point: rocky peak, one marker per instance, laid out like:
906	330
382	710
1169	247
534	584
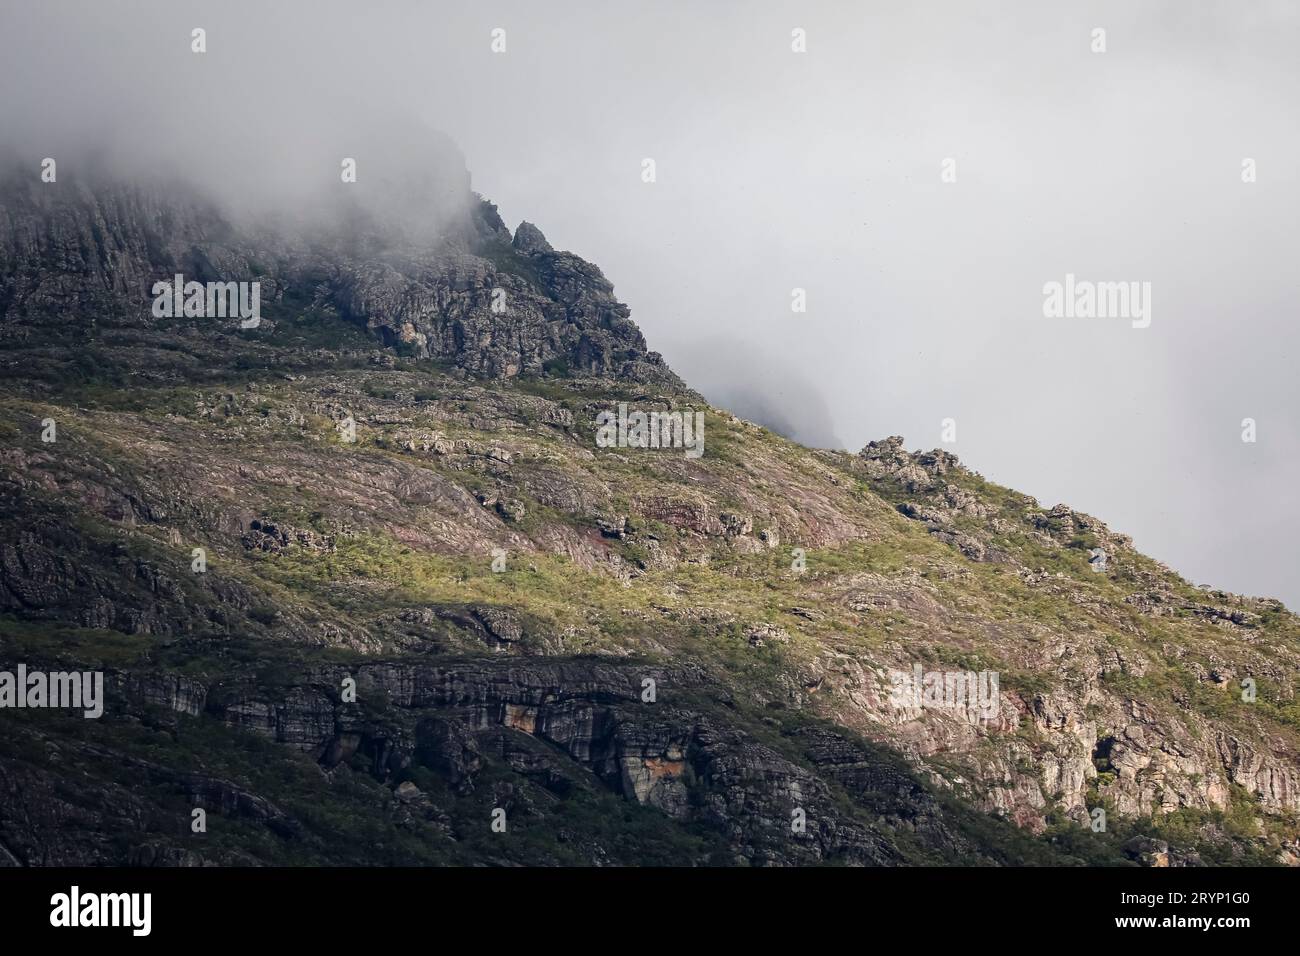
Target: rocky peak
887	449
890	453
529	240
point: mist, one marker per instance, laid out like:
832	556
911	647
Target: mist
818	171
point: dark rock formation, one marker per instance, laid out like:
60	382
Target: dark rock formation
361	578
83	257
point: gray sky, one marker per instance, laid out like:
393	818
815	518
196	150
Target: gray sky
821	171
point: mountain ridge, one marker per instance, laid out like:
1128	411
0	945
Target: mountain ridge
392	483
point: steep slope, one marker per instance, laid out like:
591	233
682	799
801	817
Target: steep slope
428	590
78	261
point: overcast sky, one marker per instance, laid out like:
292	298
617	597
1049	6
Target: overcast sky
821	170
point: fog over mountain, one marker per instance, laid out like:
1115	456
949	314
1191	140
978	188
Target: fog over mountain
444	435
924	297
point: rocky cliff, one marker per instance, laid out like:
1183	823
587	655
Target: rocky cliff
367	586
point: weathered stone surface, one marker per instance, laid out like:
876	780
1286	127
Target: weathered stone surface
396	484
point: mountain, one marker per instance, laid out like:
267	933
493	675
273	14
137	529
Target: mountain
381	579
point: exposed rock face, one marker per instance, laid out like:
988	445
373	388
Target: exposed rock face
87	256
499	308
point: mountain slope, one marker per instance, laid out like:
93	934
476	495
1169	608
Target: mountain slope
640	656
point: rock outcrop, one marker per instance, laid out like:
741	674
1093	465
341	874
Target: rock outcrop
83	257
